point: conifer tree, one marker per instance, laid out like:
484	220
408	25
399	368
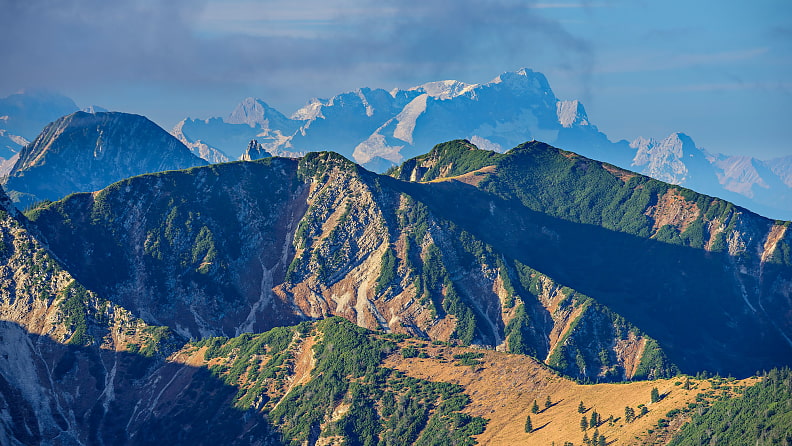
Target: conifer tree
583	423
548	403
581	408
629	414
528	424
655	396
594	419
601	441
535	407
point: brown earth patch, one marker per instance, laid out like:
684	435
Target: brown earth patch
672	209
777	232
623	175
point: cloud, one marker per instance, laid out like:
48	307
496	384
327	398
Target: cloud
275	44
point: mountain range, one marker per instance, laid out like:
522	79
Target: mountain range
591	270
379	129
148	296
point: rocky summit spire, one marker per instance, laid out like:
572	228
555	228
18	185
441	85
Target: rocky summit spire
254	151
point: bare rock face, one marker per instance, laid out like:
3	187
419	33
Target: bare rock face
254	151
85	152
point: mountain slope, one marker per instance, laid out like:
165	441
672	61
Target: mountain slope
85	152
324	237
615	235
536	251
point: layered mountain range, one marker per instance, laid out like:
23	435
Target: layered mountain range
148	297
599	273
537	251
380	129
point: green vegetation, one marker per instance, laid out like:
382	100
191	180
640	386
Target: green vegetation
435	288
409	352
517	332
315	165
655	395
629	414
761	416
654	363
383	406
74	308
469	358
387	271
157	341
458	157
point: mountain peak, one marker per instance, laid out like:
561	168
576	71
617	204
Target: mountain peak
84	152
445	89
524	79
664	159
571	113
255	113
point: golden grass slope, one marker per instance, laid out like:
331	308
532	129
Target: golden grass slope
504	386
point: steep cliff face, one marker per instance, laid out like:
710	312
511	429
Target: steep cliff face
85	152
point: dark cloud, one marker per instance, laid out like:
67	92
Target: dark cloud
62	44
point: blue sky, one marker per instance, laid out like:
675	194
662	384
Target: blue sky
719	71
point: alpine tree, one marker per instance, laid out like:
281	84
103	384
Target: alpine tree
535	407
528	424
629	414
583	423
581	408
655	396
594	419
548	403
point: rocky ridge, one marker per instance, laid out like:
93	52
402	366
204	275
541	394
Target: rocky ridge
461	253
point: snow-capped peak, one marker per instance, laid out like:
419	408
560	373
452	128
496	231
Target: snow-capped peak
311	110
445	89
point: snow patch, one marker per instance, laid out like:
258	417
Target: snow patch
445	89
408	117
